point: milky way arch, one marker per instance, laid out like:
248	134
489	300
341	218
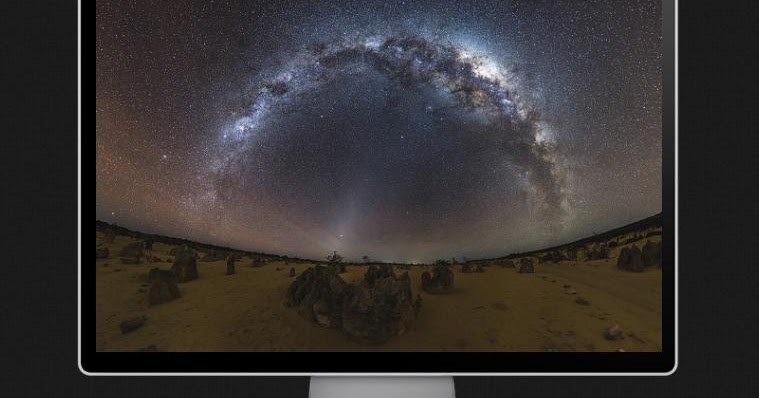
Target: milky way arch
477	83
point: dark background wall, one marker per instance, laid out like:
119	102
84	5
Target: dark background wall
718	171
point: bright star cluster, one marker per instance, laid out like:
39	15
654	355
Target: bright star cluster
405	131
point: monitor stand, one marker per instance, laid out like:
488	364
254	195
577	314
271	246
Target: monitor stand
381	387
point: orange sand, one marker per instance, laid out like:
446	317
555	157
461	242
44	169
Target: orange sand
498	310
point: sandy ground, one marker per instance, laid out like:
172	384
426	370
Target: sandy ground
498	310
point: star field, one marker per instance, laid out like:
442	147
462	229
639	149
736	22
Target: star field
405	131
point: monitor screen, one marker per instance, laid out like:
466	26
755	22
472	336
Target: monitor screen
382	186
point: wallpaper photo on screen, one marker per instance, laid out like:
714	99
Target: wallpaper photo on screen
379	176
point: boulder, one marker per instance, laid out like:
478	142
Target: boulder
571	253
630	259
162	290
320	285
292	272
379	307
598	252
231	264
159	274
185	267
440	281
374	273
258	261
110	236
339	267
505	263
373	314
132	250
651	254
553	257
102	252
526	266
214	255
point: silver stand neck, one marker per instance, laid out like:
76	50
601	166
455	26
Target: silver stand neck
381	387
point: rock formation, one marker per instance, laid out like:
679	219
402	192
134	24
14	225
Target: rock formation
379	307
231	264
132	252
185	267
630	259
162	290
110	236
440	281
651	254
526	266
214	255
599	252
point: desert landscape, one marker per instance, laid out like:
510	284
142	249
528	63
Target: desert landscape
598	294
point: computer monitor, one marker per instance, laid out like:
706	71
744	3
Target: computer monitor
383	187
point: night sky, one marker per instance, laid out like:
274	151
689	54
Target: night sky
401	130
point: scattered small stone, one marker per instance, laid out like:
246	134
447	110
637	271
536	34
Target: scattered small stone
132	324
614	333
582	301
621	350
